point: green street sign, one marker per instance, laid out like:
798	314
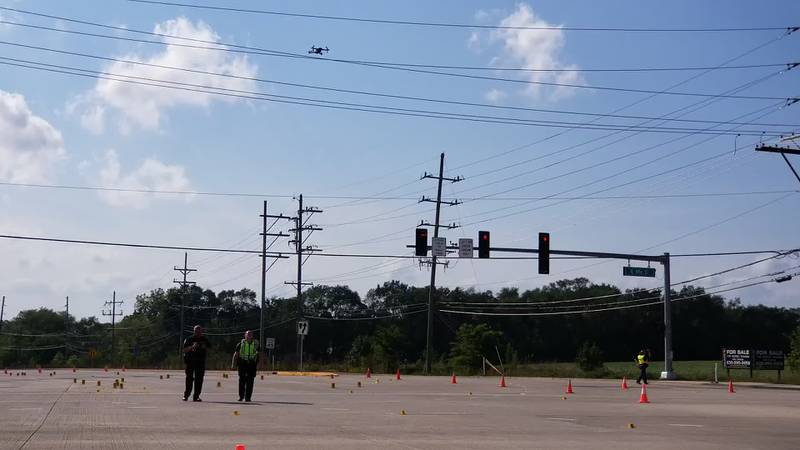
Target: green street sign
629	271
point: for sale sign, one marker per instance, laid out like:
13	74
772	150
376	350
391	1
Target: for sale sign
736	358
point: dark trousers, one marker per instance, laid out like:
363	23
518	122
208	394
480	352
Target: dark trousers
642	374
194	378
247	375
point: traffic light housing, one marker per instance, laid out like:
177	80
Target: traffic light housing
421	245
483	244
544	253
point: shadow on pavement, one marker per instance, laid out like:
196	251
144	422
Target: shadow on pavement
261	403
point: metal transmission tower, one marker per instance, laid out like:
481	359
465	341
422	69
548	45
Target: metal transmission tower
264	234
113	313
303	252
431	289
185	271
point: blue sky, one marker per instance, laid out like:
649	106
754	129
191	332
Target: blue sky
80	131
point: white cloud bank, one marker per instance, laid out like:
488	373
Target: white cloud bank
152	174
29	146
145	106
531	49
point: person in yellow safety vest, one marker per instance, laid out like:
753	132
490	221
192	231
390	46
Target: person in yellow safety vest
245	358
642	360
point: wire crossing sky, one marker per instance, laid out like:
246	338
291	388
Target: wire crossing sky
137	131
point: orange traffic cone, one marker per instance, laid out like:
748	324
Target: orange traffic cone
398	375
569	387
240	447
453	380
730	387
624	386
643	395
369	372
502	381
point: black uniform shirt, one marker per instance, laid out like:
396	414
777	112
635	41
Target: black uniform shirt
197	356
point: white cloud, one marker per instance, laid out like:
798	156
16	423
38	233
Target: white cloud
496	95
145	106
94	119
533	49
152	174
29	145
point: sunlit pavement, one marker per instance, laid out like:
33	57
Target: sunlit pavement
40	411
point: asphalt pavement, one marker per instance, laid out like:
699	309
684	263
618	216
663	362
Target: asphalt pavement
43	411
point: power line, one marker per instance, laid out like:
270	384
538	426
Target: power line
359	107
388	198
367	93
406	69
346	319
587	311
627	106
335	255
459	25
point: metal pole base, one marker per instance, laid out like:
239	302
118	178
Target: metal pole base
668	376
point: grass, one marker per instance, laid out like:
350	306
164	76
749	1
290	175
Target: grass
685	370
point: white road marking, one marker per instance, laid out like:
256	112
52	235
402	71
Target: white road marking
562	418
142	407
334	409
685	425
23	409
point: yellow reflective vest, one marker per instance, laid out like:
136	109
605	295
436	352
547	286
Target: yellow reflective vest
247	350
641	359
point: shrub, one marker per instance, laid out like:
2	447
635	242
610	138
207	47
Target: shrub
589	357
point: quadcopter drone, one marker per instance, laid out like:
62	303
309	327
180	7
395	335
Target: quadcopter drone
317	50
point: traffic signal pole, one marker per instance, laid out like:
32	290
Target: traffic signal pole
668	373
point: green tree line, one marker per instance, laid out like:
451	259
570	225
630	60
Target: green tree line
386	329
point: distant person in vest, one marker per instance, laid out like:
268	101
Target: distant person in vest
642	360
245	358
194	355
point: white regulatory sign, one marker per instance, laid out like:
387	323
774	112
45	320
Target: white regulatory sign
465	248
269	343
439	245
302	327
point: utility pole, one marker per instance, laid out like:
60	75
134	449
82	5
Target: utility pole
783	151
185	271
113	313
436	226
300	225
66	327
2	311
667	374
264	268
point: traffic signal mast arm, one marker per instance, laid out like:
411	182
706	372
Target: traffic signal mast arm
601	255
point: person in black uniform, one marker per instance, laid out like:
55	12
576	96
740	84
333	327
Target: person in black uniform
245	358
195	348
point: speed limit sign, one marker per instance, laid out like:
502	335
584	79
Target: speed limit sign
302	327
